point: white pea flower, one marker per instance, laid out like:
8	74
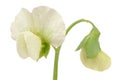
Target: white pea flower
35	32
101	62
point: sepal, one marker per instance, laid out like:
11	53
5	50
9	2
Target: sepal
91	44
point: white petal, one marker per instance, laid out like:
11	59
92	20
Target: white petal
33	44
28	45
23	22
99	63
21	46
49	25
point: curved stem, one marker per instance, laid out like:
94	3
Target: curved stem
55	72
78	21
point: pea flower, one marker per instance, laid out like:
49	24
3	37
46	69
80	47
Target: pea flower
91	54
35	31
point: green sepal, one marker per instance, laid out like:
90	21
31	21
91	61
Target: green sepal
83	42
91	44
45	50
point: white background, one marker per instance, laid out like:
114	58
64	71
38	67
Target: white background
105	14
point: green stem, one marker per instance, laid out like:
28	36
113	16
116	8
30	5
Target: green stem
78	21
55	72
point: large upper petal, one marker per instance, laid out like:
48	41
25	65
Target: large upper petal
29	45
49	25
23	22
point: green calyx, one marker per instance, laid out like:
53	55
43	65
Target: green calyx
45	47
45	50
91	44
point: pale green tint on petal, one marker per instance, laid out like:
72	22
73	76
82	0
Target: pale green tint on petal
101	62
21	46
33	44
49	25
23	22
28	45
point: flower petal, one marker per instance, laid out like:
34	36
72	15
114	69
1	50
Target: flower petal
23	21
49	25
101	62
29	45
21	46
33	44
